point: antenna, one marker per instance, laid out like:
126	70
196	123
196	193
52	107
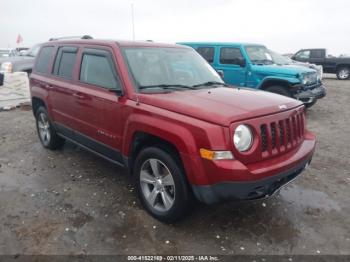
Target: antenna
132	21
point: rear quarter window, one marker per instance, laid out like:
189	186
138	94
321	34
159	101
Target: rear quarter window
44	58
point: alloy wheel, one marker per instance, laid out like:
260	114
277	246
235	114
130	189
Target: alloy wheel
157	185
44	128
344	73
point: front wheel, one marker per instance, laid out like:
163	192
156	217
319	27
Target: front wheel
281	90
343	73
161	185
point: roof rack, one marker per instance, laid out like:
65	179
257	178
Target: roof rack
71	37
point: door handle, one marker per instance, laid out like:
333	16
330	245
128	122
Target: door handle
79	96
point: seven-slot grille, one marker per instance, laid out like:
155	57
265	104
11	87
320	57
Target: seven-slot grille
281	135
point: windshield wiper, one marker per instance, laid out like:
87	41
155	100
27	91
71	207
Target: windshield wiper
210	83
166	86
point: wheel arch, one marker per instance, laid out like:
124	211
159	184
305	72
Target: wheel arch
36	103
143	130
342	66
141	140
274	82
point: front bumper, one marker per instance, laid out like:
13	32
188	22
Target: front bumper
210	194
309	96
233	180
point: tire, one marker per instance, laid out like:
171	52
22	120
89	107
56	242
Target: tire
161	185
281	90
1	79
343	73
46	132
28	72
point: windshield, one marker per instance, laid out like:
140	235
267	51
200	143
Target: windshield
280	59
170	67
262	55
32	51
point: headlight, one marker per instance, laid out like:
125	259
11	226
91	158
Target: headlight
310	78
243	138
6	67
304	80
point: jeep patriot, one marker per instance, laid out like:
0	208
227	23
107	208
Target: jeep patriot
164	113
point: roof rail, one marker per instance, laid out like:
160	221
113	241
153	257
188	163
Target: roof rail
71	37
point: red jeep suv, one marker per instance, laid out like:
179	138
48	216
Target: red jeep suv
165	114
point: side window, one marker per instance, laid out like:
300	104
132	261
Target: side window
304	54
230	55
97	68
317	54
65	61
207	53
43	61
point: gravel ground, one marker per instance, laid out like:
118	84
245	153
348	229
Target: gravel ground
72	202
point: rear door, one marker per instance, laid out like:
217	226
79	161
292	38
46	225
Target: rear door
230	62
318	57
98	107
62	89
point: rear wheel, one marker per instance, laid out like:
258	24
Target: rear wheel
281	90
343	73
47	134
28	72
161	185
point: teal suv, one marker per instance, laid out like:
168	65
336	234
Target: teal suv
255	66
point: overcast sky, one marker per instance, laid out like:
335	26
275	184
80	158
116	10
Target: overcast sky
282	25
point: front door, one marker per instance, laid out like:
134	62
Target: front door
232	64
98	107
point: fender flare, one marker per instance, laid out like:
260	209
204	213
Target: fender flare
288	81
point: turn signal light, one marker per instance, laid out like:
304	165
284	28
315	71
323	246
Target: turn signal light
215	155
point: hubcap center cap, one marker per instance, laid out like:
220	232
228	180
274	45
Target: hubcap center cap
159	184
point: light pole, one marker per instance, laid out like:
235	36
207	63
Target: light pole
132	21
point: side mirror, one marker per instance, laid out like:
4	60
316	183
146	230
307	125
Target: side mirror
117	91
241	62
221	73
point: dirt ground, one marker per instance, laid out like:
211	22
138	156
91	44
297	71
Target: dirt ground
72	202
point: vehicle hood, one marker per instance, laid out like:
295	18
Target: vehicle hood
222	105
288	70
14	59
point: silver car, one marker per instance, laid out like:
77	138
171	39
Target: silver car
19	63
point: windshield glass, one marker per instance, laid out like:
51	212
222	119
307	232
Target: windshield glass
169	67
262	55
280	59
33	51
